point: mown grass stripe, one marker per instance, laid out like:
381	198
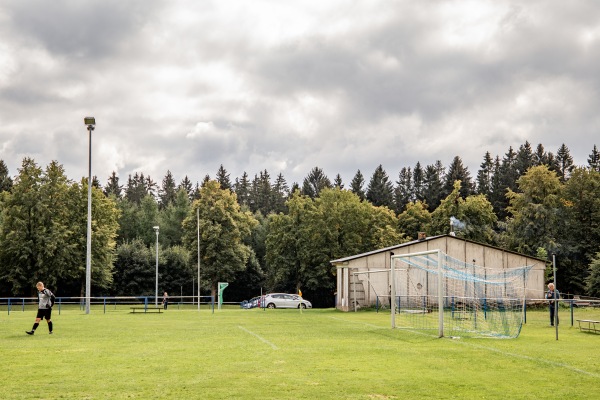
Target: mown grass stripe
498	351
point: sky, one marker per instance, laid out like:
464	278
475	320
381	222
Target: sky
286	86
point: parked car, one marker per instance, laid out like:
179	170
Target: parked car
284	300
252	303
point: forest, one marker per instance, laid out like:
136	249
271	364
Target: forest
261	233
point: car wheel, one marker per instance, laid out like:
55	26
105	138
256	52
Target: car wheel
270	305
302	305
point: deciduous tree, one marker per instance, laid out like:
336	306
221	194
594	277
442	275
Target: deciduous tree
535	212
223	229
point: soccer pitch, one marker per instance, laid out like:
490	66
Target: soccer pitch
286	354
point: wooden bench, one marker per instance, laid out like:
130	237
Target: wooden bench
146	309
589	325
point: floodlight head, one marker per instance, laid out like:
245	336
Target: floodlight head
89	121
156	228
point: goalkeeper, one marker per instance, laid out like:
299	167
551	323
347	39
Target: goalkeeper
45	303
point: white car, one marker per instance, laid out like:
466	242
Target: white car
284	300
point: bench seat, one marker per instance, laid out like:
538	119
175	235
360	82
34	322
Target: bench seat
146	309
589	325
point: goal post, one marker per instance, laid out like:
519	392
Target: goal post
432	290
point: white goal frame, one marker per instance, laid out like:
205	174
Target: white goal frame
451	271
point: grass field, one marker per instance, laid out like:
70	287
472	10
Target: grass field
285	354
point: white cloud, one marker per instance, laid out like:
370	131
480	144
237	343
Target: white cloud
187	86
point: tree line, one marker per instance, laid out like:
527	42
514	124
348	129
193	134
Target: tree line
259	233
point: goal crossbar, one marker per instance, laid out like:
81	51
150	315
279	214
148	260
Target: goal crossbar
479	300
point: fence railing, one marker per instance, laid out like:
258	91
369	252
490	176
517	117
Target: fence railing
13	304
573	303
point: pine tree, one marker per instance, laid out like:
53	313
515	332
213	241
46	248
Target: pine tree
524	159
5	179
484	175
507	180
280	194
564	162
594	160
167	192
497	194
113	187
418	181
380	191
187	185
151	187
136	188
540	157
261	193
315	182
357	184
432	184
223	178
242	189
337	182
458	172
96	183
403	193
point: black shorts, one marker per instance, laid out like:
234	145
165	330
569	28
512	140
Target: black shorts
44	313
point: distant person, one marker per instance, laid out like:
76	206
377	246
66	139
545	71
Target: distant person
551	295
45	303
165	301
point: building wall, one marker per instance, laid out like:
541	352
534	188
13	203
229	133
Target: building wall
352	291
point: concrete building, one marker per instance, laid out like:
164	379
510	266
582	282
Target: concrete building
352	290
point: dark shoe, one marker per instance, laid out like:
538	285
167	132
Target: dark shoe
30	332
50	332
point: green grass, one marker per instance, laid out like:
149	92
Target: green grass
285	354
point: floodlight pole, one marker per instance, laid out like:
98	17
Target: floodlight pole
156	228
91	123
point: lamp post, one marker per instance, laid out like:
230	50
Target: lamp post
156	228
90	122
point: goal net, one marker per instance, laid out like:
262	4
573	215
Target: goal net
435	291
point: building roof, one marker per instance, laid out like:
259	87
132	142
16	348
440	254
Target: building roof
398	246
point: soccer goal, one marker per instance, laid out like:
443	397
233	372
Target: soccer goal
435	291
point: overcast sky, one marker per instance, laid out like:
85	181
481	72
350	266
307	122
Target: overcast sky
287	86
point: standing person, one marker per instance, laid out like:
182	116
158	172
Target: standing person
45	303
165	300
551	295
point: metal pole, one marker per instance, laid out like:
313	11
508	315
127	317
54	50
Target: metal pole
555	297
393	292
88	258
440	295
156	289
354	290
198	232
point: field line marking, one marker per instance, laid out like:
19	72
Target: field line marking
549	362
259	337
504	353
359	322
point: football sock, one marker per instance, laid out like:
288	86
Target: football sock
50	326
35	326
